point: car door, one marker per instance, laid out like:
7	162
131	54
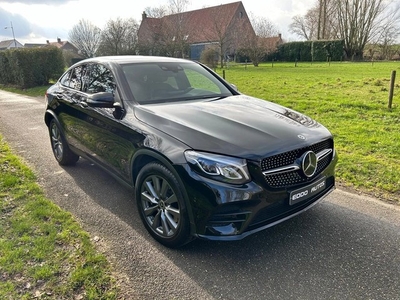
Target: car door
69	111
104	137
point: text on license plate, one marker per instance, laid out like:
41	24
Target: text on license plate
307	192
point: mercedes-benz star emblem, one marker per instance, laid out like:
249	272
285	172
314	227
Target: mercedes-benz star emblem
302	137
309	163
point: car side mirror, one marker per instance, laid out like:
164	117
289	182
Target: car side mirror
103	99
234	87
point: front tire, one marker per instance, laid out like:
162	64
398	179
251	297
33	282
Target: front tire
61	151
162	206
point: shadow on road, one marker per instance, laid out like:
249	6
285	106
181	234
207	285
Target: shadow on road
327	252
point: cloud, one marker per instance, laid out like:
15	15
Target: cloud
25	31
20	25
48	2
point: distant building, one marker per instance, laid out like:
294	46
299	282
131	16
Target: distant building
63	45
30	45
223	27
71	53
10	44
272	43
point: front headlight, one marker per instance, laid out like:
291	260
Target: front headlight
219	167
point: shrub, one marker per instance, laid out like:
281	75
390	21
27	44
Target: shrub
27	68
209	56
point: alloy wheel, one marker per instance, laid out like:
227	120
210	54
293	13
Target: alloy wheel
160	206
56	142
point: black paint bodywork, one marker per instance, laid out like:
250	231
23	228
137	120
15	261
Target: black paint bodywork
237	125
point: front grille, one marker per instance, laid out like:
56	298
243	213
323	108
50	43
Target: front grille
287	179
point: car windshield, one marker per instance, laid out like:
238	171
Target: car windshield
172	81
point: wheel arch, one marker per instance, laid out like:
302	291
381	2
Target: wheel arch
143	157
50	115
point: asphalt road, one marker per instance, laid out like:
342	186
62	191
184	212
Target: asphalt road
346	247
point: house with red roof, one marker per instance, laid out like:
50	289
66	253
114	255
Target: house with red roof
225	27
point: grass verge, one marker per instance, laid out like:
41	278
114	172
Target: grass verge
33	92
44	253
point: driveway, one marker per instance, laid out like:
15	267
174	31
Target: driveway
347	247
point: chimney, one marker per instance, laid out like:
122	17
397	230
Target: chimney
58	40
47	41
280	36
144	16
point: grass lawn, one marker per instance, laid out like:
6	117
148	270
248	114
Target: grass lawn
351	100
44	253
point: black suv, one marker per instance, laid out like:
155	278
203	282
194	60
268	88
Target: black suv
205	160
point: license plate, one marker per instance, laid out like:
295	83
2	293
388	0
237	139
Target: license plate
307	192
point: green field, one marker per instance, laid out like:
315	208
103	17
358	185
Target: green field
351	100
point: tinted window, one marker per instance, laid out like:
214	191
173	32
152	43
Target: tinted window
100	79
172	81
65	79
74	78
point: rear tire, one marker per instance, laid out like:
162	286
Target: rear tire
162	206
61	150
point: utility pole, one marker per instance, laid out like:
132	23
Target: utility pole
12	29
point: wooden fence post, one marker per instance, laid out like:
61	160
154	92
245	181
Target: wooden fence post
392	80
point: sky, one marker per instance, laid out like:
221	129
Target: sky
35	21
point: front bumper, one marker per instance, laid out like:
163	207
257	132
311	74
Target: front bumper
227	212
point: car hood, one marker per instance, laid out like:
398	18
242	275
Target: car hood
239	126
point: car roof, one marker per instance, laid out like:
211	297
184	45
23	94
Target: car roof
128	59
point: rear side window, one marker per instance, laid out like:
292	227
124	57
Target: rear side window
99	79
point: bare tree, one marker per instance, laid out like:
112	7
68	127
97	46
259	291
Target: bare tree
263	42
168	33
220	34
360	21
319	23
156	12
86	38
174	29
304	27
119	37
228	36
357	22
388	32
177	6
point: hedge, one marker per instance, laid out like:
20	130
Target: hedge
30	67
309	51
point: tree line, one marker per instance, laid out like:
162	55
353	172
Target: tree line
357	22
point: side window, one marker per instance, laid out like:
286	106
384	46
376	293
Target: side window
100	79
76	77
65	79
